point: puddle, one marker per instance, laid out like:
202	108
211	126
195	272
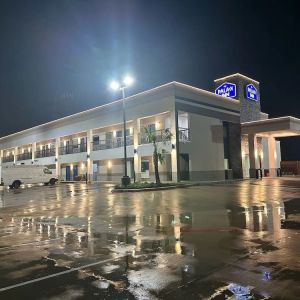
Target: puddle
198	243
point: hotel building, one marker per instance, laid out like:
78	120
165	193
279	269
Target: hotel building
216	136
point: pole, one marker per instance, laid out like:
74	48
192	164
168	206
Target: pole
125	179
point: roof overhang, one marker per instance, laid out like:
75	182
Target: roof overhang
275	127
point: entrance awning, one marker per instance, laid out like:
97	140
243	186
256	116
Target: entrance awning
276	127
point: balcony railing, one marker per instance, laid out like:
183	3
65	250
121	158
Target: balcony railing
7	159
44	153
160	135
111	143
72	149
24	156
183	134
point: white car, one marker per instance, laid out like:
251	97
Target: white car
14	176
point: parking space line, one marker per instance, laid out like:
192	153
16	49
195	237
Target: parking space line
58	274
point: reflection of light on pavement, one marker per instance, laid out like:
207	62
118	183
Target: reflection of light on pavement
138	243
177	234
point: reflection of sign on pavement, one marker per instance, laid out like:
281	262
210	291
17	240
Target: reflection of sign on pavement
226	90
251	92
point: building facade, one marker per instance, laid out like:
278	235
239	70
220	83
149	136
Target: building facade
215	136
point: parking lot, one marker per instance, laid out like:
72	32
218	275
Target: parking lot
78	241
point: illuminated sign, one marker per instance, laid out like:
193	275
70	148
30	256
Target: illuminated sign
251	92
226	90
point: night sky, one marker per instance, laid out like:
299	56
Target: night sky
57	57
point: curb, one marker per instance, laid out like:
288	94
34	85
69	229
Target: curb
183	185
171	187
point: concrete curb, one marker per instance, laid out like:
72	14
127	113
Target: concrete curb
183	185
171	187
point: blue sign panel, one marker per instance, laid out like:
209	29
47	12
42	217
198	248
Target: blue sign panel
226	90
251	92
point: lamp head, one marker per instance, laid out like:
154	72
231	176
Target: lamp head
128	80
114	85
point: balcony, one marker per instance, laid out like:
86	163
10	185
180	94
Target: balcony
112	143
72	149
7	159
24	156
184	134
160	136
44	153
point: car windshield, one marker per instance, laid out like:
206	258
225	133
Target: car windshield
47	171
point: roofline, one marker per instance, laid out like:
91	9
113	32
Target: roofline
87	111
176	83
219	97
236	74
272	120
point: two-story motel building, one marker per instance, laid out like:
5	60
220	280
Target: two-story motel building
214	137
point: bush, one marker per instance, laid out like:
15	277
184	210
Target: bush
143	185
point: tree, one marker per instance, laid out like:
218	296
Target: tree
158	153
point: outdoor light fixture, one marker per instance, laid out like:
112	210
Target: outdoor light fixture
115	85
135	151
128	80
88	156
173	146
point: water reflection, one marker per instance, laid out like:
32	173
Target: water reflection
172	233
157	241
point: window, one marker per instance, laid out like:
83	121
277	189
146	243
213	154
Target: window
47	171
151	127
145	166
96	139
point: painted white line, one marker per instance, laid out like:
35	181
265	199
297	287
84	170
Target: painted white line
58	274
28	244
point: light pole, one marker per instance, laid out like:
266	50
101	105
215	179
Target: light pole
127	81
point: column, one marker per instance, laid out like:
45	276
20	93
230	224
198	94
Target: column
15	155
33	149
252	142
272	156
137	156
1	155
89	141
175	143
57	163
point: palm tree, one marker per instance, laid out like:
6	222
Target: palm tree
158	153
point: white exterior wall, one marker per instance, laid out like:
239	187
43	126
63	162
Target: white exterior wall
141	107
206	149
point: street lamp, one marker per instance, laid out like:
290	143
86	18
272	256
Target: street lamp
115	85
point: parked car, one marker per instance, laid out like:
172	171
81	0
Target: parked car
15	176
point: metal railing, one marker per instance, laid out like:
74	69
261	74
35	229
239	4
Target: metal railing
183	134
44	153
112	143
160	134
72	149
7	159
24	156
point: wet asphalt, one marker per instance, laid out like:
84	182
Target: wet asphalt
77	241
